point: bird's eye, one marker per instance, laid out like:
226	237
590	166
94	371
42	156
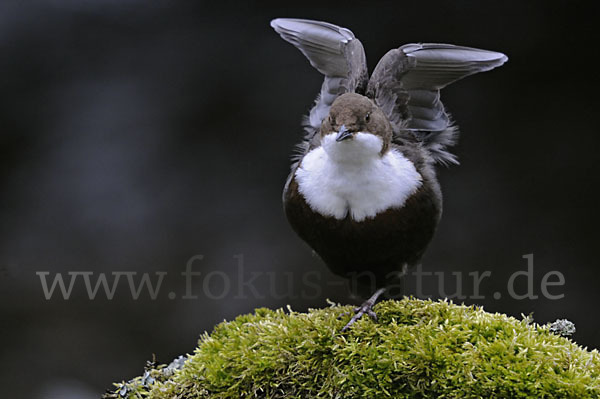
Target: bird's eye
368	117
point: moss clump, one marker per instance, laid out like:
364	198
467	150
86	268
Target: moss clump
417	349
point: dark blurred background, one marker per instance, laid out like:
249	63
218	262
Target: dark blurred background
135	135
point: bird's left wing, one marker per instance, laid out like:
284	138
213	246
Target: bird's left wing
332	50
406	84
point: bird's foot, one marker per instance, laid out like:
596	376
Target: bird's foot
365	308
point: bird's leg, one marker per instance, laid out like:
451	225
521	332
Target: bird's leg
366	307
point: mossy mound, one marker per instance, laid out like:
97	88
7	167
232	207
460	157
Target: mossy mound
417	349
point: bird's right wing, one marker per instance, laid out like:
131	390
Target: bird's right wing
406	84
332	50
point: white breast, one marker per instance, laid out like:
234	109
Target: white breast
351	176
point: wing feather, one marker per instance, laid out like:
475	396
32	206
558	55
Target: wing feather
332	50
406	84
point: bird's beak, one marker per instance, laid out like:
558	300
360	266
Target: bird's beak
343	134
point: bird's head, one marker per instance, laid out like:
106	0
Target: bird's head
356	129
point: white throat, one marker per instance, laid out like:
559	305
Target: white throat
352	177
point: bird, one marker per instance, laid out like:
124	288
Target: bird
362	191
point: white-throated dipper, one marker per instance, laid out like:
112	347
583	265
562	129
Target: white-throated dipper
363	192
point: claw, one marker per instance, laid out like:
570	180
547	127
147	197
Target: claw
372	314
367	308
355	310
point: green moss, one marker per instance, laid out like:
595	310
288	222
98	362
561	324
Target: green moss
417	349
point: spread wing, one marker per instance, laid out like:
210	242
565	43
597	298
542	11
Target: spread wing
406	84
332	50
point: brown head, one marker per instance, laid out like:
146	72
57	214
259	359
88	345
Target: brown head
352	113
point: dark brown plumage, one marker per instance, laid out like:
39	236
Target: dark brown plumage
381	245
